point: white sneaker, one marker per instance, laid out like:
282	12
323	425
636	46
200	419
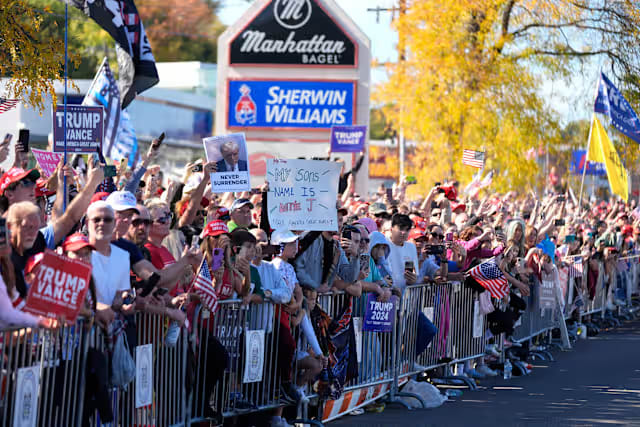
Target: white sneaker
485	370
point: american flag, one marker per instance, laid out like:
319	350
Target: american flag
203	286
473	158
7	104
491	278
104	92
575	267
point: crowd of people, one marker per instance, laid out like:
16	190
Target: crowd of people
145	237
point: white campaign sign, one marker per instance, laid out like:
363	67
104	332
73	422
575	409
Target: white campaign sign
478	320
144	375
253	356
25	409
302	194
357	329
232	162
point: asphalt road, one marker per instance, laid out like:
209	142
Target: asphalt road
595	384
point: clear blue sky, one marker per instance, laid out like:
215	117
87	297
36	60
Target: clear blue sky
572	101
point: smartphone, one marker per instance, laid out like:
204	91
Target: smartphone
408	266
437	184
23	140
526	216
7	138
346	234
364	260
4	236
197	168
389	192
449	237
110	171
558	222
156	142
434	205
216	260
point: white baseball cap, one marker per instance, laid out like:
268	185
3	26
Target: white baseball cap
282	236
122	201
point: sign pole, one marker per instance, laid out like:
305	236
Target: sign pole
64	122
584	168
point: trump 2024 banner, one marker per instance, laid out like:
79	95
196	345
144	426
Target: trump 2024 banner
281	104
302	194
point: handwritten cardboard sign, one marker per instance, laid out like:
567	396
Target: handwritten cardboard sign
302	194
59	288
379	316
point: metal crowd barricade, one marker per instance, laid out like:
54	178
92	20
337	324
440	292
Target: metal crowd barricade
231	396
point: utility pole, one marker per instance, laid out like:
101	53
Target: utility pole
401	9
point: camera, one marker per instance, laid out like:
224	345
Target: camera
434	249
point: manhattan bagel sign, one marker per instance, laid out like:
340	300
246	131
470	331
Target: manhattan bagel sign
293	32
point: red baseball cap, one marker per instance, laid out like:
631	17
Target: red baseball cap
223	213
419	222
417	233
33	262
75	242
17	174
458	206
101	195
41	188
215	228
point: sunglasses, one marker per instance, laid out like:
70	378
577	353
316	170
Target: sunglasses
164	219
141	221
104	219
439	236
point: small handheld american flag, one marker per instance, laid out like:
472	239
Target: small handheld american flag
473	158
7	104
489	276
575	268
203	286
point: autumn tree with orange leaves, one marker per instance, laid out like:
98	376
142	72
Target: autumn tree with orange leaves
472	73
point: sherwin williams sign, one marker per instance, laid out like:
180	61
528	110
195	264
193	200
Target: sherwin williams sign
290	104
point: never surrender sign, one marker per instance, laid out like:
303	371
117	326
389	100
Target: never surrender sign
379	316
84	128
348	139
302	194
59	288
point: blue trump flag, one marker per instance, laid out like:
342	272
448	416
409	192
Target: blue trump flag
610	101
577	165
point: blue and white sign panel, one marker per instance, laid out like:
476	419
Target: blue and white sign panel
290	104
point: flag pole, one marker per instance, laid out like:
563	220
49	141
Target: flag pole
586	161
64	122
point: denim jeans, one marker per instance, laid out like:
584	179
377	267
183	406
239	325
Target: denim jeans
426	332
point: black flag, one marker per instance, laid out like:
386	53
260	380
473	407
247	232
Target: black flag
120	18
